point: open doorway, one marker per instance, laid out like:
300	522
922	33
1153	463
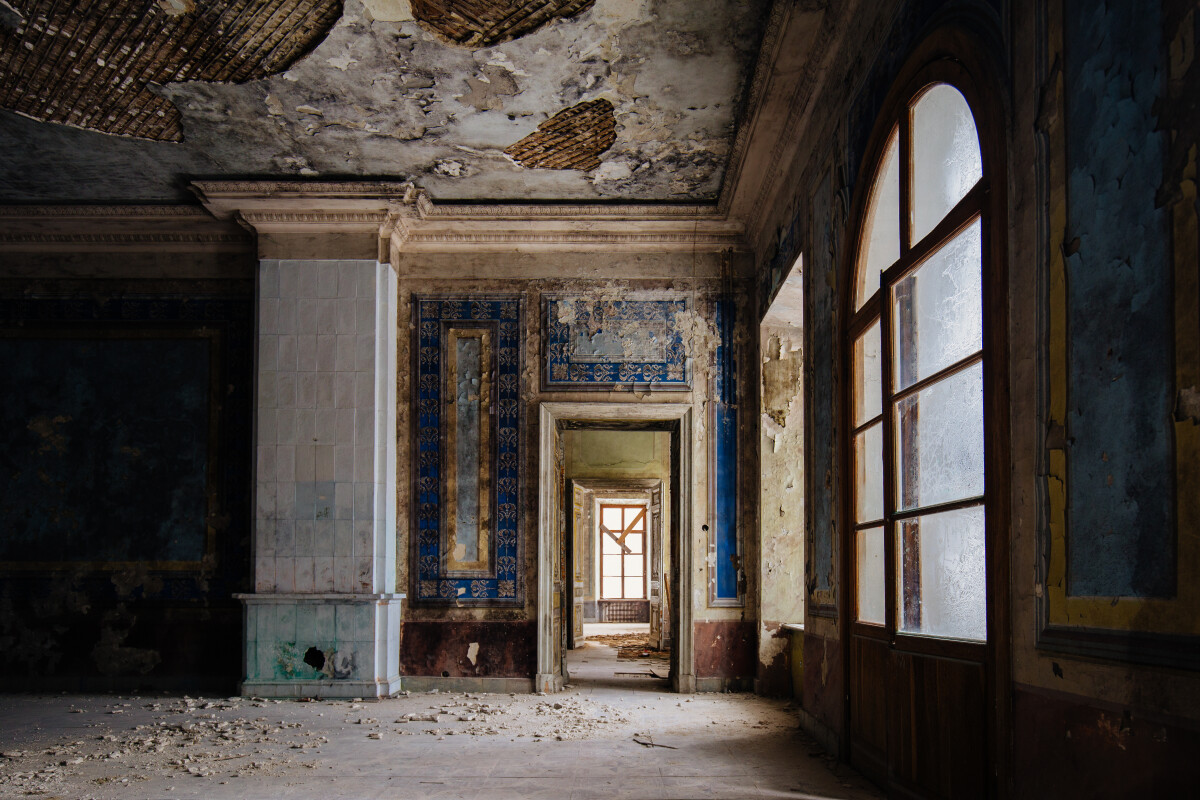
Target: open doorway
619	558
631	459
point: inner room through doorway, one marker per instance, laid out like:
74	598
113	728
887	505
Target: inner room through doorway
617	562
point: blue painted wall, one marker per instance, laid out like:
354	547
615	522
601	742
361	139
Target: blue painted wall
725	430
1119	304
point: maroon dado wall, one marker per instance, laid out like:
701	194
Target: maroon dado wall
1070	746
725	649
506	649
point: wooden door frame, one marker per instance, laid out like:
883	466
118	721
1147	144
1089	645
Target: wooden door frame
958	55
684	451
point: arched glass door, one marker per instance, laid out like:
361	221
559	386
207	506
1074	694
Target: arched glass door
916	450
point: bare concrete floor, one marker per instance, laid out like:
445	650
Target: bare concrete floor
583	743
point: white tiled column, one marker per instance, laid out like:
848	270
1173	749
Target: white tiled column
324	618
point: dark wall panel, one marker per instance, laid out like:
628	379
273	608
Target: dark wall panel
104	445
505	649
1071	746
1119	304
125	443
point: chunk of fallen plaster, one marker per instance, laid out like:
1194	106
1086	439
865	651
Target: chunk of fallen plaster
472	652
342	62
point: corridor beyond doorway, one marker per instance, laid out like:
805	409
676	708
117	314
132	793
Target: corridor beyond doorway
617	655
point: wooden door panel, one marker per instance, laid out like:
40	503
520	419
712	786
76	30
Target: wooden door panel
937	742
868	693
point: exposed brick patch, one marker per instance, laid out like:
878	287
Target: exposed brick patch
573	138
87	64
482	23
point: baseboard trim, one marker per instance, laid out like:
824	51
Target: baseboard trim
825	737
724	684
322	689
485	685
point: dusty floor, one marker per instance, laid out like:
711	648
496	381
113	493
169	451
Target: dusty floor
609	736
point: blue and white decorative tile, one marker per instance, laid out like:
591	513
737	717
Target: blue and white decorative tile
607	344
497	577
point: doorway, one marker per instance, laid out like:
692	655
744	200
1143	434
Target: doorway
618	557
556	525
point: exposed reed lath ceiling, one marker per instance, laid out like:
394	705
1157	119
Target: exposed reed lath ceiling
483	23
573	138
87	64
548	100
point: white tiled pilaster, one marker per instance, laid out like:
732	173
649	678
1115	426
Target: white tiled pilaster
325	512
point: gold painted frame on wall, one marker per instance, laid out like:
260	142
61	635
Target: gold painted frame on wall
453	564
1081	623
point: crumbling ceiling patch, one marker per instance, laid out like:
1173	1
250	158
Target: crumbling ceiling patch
379	94
573	138
483	23
88	64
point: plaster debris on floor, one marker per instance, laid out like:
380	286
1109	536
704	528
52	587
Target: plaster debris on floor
602	734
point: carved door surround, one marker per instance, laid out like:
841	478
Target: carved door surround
676	417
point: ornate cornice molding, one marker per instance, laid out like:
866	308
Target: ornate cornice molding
406	219
565	212
399	215
345	190
815	32
92	212
124	228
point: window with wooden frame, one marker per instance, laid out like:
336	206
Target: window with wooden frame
622	551
916	347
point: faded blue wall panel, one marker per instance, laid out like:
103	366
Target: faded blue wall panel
725	431
820	292
608	344
104	452
505	579
1121	528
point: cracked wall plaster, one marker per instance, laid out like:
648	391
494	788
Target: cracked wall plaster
781	489
381	96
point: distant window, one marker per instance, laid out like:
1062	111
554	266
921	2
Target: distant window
622	551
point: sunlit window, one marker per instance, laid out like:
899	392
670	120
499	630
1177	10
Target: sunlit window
622	551
916	350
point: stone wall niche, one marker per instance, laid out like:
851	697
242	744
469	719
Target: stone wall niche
324	619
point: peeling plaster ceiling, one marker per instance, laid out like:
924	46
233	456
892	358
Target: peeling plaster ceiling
383	94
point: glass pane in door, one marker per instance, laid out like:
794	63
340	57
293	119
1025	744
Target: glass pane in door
941	575
946	159
881	232
939	441
937	310
869	564
868	376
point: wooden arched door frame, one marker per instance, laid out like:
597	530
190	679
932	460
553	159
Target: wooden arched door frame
957	56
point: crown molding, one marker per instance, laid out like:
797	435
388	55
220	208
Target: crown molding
400	216
406	219
124	228
805	39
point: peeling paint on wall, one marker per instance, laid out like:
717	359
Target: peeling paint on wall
382	95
